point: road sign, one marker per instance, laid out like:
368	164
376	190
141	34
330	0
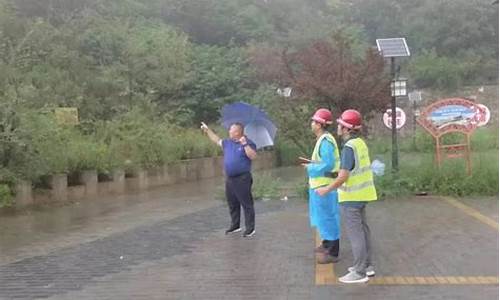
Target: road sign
400	118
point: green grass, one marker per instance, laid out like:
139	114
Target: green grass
418	173
267	186
6	197
485	138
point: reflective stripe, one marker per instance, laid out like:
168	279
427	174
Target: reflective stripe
356	179
355	188
316	182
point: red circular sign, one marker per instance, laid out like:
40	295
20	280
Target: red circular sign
400	118
483	115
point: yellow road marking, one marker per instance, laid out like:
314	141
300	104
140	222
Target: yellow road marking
492	280
400	280
472	212
325	274
441	280
474	280
377	280
411	280
420	280
462	280
431	280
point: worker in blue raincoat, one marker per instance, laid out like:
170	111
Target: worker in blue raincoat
322	169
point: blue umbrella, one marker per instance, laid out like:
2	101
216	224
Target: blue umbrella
258	127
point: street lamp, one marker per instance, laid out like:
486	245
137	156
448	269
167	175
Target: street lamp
414	97
392	48
398	87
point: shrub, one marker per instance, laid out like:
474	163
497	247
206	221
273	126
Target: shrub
430	70
419	173
6	196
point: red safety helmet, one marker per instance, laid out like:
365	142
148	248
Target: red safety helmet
323	116
351	119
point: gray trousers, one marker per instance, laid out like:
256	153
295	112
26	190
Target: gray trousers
358	234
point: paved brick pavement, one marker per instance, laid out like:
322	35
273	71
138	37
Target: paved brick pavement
185	255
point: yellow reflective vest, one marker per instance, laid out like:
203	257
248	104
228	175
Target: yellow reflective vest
315	182
359	186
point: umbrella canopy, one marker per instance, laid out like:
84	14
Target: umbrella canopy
258	127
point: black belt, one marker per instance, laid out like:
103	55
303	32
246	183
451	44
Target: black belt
239	175
331	174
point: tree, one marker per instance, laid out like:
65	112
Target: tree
326	74
218	75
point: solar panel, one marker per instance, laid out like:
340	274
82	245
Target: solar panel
396	47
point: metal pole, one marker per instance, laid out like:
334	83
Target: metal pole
414	124
395	164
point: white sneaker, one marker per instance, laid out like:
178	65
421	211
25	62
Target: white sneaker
248	233
370	271
354	277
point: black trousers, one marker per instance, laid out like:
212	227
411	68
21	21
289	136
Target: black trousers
239	194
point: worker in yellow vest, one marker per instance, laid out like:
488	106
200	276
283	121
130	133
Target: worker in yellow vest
321	169
356	190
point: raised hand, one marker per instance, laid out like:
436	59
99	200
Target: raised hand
204	127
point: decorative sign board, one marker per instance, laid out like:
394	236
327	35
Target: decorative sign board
448	116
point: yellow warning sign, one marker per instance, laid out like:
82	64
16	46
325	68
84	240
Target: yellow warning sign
67	115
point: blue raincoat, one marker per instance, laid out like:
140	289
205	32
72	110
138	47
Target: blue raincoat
324	210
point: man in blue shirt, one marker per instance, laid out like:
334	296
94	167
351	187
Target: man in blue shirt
239	151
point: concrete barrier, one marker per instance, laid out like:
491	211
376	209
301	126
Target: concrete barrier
59	187
178	172
173	173
138	181
89	180
207	168
76	192
118	184
24	193
192	169
155	177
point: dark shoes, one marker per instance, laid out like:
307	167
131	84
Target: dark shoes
233	230
328	252
326	258
321	250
